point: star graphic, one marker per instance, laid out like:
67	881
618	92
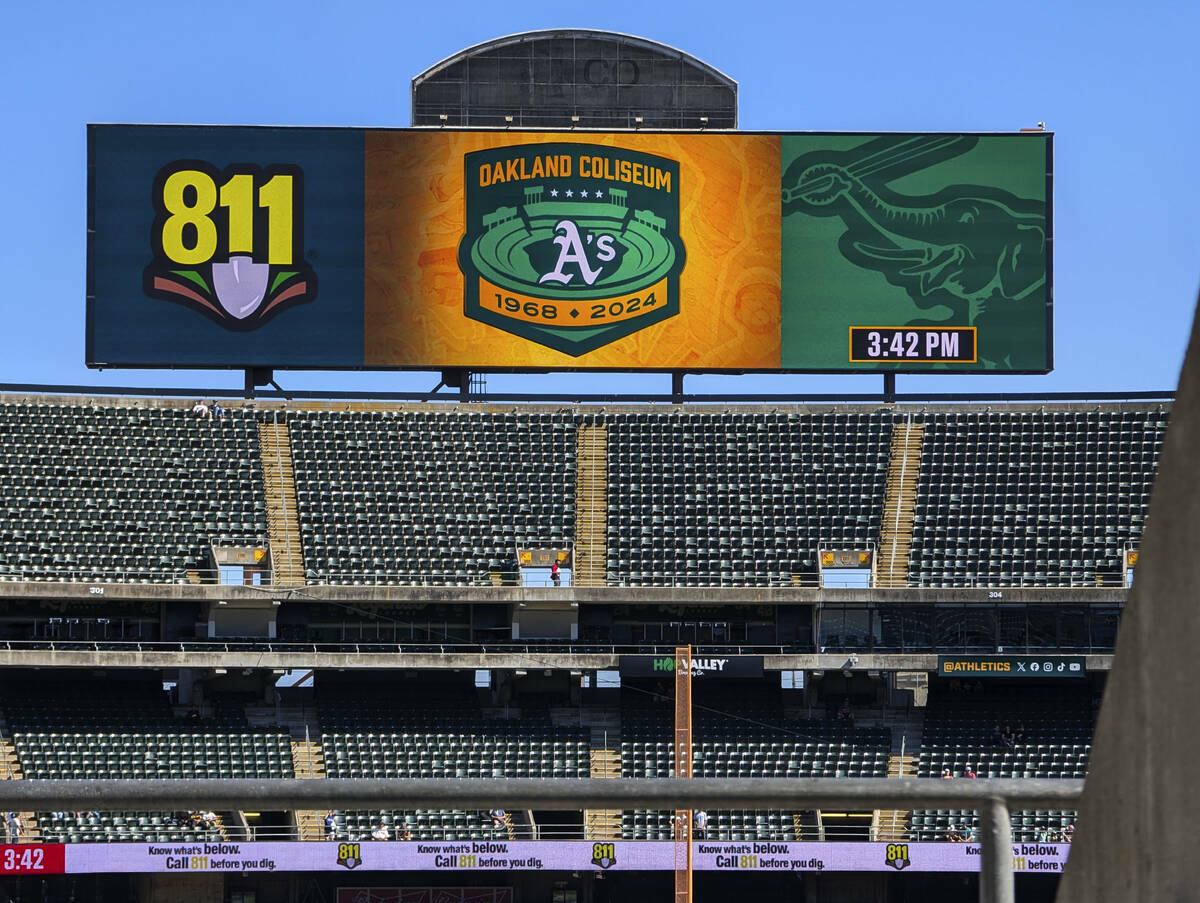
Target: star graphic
583	193
553	192
599	193
570	193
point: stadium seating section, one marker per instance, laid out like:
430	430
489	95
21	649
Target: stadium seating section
386	733
965	728
756	742
729	498
123	493
78	728
1043	497
1033	498
402	497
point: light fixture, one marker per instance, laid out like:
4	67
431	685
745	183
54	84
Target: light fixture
508	119
639	119
222	602
574	118
704	120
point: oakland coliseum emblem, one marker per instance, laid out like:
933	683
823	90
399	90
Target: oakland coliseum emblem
572	246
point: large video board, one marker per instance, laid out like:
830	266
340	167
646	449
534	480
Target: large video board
499	250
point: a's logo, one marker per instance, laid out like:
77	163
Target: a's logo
896	856
349	855
571	246
229	244
604	855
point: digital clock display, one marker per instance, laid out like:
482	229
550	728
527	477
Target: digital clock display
913	344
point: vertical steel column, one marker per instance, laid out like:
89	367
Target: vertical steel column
996	869
683	769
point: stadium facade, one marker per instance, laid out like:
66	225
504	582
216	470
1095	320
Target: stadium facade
374	546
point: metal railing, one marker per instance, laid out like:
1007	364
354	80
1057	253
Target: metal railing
805	579
506	647
992	798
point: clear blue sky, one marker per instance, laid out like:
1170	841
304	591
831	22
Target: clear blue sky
1116	82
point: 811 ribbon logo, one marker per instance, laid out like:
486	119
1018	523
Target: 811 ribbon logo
572	246
229	244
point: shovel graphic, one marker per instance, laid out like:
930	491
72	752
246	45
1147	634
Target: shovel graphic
240	285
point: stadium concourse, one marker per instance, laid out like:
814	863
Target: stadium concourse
319	589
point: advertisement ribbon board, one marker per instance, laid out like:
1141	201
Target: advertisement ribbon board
493	856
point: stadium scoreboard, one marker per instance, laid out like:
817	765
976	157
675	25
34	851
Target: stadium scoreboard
311	248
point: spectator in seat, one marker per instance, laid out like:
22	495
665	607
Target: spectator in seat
497	816
201	410
555	576
970	773
700	823
380	832
218	412
330	826
946	775
404	833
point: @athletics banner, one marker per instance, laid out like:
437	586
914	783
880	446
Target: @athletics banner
1012	666
492	856
215	246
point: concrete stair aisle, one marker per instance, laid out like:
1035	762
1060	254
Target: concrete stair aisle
899	505
892	824
279	486
308	762
605	762
591	506
10	770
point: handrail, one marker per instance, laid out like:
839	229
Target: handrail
899	494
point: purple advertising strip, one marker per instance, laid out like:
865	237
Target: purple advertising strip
492	856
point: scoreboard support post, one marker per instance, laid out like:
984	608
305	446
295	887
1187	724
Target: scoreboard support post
889	388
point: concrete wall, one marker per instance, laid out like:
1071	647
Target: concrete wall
1136	832
181	889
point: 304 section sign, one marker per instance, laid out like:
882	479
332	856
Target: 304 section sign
507	250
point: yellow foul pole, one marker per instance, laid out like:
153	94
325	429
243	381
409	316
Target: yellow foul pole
683	769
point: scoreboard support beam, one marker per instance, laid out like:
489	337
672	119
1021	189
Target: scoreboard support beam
258	376
889	388
677	386
456	378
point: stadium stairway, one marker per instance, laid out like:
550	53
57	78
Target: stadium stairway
605	762
899	505
892	824
591	501
279	487
308	758
10	770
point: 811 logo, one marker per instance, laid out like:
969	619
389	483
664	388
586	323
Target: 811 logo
229	243
572	246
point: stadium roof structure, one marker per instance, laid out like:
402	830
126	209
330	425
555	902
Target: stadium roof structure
570	77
